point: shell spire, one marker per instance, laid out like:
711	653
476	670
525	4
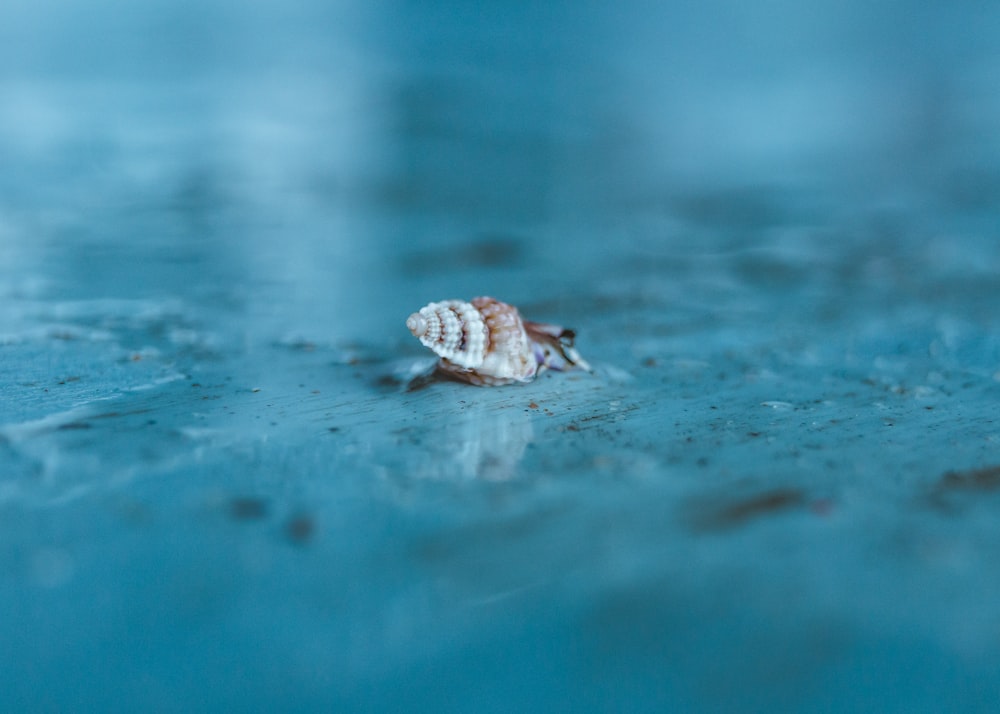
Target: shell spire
486	342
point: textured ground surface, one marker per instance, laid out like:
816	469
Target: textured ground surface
779	489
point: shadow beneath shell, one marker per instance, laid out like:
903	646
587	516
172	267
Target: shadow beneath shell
425	380
406	376
436	375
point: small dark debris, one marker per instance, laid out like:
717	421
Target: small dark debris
300	528
753	433
737	513
248	508
984	479
650	362
116	415
572	427
532	405
73	426
334	429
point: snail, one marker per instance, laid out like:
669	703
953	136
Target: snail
485	342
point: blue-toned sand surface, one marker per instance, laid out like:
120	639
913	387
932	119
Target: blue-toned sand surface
776	234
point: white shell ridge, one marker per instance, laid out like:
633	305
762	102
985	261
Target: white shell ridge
453	329
486	342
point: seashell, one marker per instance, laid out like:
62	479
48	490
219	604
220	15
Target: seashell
486	342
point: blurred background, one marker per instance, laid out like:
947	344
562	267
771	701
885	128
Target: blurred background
308	143
774	225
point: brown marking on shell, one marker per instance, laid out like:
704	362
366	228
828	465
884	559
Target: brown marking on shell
508	354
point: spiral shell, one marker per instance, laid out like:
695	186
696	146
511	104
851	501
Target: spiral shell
486	342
